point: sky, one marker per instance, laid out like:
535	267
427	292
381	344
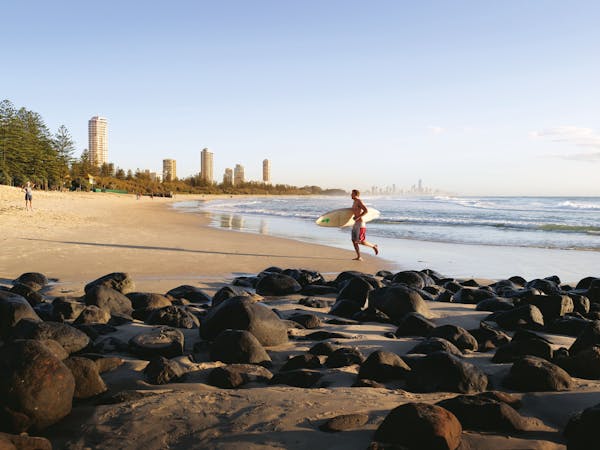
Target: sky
472	97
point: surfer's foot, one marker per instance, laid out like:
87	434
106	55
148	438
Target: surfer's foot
358	258
376	250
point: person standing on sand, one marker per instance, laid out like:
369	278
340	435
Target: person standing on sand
28	189
359	229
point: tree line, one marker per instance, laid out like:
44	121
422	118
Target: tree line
29	151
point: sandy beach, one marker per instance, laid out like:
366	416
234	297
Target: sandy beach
74	238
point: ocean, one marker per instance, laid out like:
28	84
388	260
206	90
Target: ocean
564	229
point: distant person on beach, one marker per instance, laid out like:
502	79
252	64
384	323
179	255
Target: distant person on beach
28	189
359	229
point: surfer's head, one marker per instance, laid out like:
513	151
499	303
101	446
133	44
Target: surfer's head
355	193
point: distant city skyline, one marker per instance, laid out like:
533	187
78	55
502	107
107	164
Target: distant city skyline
480	98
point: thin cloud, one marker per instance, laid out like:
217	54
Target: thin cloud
435	130
578	136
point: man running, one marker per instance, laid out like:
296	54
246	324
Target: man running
359	229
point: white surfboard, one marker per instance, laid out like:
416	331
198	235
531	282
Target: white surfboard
343	217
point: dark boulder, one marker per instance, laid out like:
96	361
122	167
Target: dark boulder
305	361
472	296
241	313
530	373
344	422
582	430
546	286
276	284
318	289
581	304
398	300
356	290
31	295
460	337
345	308
160	341
13	309
585	364
148	300
118	281
34	280
383	366
526	316
345	356
420	426
173	316
443	372
552	306
109	299
161	370
414	324
92	314
494	304
238	346
568	325
589	337
488	337
307	320
410	278
518	348
305	277
88	382
227	292
302	378
435	344
235	375
190	293
343	277
323	348
70	338
371	315
66	308
314	303
36	388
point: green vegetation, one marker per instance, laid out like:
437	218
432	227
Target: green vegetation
29	151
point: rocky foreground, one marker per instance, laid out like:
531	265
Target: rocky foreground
364	356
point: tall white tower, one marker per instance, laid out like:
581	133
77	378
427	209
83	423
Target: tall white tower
98	140
266	171
206	166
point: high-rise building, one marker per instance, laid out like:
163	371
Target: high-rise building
266	171
98	140
228	177
169	169
206	166
238	174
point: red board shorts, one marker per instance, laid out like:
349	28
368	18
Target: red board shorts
359	232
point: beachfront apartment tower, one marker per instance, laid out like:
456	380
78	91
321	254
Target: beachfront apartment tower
238	175
206	166
98	140
266	171
228	177
169	170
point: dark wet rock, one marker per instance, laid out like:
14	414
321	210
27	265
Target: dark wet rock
410	278
445	296
106	364
55	348
324	335
434	290
371	315
460	337
435	344
581	304
65	308
420	426
546	286
568	325
305	361
344	422
307	320
92	314
314	303
109	299
433	274
23	442
161	370
34	280
344	308
398	300
160	341
46	395
343	277
190	293
227	292
552	306
276	284
31	295
356	290
441	371
70	338
241	313
173	316
383	366
88	382
13	309
472	295
318	289
530	373
452	286
305	277
494	304
148	300
582	429
589	337
118	281
345	356
518	348
238	346
526	316
246	282
302	378
414	324
488	337
470	283
518	280
502	286
235	375
323	348
485	414
585	364
384	274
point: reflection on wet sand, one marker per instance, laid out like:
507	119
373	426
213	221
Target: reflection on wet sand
264	227
231	221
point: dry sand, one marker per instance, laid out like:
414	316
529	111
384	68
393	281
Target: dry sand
77	237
